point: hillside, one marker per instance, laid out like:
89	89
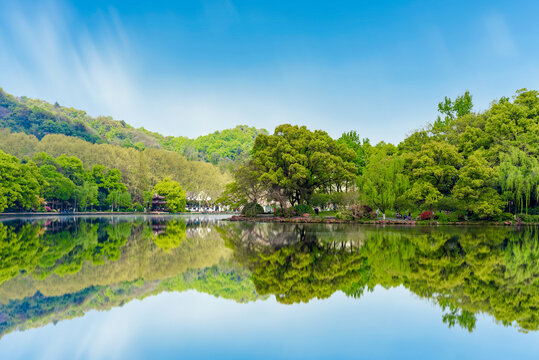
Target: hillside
40	118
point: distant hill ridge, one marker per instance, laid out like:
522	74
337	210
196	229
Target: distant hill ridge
40	118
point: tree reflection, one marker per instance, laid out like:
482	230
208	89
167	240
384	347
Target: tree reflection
59	269
466	271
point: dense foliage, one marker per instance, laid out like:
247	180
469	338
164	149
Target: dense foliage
40	118
139	170
474	165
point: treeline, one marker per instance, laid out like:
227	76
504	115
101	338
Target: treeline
472	165
69	173
40	118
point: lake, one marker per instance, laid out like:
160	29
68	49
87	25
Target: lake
138	287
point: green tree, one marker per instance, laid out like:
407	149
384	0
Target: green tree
298	162
475	187
20	184
437	163
519	177
383	181
59	189
173	193
353	141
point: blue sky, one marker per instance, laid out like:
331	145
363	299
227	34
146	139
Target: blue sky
192	67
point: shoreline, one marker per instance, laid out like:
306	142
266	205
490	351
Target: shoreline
102	213
309	220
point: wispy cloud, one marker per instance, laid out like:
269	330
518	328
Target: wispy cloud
499	35
52	52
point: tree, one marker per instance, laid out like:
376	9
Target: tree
519	177
86	194
383	181
353	141
475	187
20	184
299	161
437	163
246	188
173	193
59	188
71	167
453	109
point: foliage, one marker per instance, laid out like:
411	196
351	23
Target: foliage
298	162
301	209
22	115
383	181
284	212
20	184
427	215
173	193
218	147
40	118
245	188
519	177
252	209
173	236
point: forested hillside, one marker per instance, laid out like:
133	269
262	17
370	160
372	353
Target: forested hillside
40	118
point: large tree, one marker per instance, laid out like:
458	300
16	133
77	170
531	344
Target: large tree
299	161
383	180
173	193
475	187
20	184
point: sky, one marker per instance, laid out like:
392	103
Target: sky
192	67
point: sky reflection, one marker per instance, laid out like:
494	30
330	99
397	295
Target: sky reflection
382	324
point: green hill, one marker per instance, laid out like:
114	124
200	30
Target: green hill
40	118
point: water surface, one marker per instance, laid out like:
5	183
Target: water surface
201	287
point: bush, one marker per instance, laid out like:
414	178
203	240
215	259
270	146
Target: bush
344	215
301	209
284	212
252	209
457	216
427	215
441	216
528	218
448	204
361	211
506	216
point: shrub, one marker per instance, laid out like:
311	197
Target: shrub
441	216
344	215
301	209
252	209
457	216
427	215
528	218
361	211
506	216
284	212
448	204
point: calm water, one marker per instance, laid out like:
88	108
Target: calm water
200	287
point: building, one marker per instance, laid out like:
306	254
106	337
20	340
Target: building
159	203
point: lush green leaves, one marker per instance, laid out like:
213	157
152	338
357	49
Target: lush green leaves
173	193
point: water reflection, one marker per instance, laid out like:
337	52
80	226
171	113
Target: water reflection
60	268
464	270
